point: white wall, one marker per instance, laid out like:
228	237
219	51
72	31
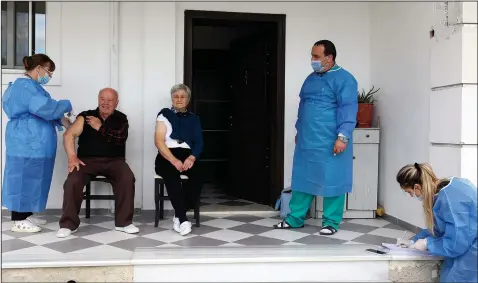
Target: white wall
151	42
345	24
400	66
81	51
453	151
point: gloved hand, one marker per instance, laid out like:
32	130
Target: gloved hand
71	116
420	245
404	243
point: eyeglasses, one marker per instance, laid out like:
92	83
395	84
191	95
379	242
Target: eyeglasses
50	74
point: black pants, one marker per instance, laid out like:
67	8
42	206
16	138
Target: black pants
19	216
183	198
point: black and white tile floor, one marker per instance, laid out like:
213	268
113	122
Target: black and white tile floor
97	234
214	200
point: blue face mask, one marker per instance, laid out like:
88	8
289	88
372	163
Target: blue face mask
43	80
317	66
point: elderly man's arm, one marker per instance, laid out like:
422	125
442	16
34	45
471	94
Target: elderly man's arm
159	141
69	137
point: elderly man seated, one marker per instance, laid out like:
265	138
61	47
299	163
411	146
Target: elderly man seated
102	135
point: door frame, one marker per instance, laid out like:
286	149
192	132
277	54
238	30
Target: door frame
276	132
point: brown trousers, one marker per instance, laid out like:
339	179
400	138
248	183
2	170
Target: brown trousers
117	171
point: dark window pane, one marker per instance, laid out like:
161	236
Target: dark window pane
21	33
4	33
39	31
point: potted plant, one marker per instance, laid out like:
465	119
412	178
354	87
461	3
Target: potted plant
365	108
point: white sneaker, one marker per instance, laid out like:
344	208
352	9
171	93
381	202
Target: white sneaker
65	232
37	221
185	228
25	226
176	224
130	229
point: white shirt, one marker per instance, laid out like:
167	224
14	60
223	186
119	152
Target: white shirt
170	143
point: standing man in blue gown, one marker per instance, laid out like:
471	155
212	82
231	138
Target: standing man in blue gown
323	158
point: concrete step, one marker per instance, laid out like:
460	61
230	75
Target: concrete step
309	263
317	263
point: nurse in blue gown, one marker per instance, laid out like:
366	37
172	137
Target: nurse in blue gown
450	211
30	140
323	158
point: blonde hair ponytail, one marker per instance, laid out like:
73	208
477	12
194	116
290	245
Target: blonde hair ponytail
428	184
423	175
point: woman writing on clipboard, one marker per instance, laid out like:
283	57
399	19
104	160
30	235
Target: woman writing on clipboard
450	207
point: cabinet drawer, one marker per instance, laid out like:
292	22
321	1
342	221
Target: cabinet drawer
366	136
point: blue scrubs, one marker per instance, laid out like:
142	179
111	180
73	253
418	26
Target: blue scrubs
30	140
328	106
455	231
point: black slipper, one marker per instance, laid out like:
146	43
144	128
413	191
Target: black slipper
285	225
328	231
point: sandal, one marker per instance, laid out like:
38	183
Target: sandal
285	225
328	231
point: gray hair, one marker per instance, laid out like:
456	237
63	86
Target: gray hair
181	87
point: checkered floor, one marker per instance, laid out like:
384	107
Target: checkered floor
214	199
244	223
97	235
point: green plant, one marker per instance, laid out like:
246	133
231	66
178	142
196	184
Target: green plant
367	97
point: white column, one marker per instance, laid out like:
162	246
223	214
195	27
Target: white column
453	100
114	46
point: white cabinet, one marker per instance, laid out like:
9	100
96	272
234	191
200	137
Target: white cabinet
362	202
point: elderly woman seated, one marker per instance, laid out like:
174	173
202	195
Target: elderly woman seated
178	137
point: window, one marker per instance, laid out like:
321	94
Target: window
23	31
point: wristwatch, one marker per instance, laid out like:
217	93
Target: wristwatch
343	139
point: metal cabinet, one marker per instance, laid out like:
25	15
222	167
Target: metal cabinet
362	201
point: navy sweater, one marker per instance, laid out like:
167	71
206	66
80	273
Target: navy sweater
186	128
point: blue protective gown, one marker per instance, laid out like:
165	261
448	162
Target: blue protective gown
455	231
328	106
30	140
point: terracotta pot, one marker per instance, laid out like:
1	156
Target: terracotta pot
365	115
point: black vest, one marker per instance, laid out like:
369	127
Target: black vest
92	143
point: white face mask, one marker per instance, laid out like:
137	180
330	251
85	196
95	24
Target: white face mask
420	198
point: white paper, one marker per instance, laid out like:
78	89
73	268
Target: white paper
393	249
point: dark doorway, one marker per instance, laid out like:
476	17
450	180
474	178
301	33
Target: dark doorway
234	64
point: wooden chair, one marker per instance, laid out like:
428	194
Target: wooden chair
159	199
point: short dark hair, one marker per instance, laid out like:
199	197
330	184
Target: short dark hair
31	62
329	48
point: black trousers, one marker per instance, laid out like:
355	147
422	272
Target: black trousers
183	198
20	216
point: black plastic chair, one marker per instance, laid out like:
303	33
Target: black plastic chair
159	199
87	196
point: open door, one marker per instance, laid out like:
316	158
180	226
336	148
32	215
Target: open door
249	172
257	173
